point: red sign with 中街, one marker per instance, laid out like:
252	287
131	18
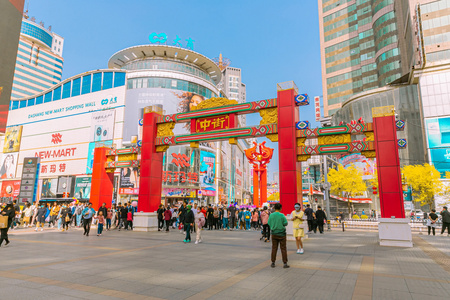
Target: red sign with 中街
213	123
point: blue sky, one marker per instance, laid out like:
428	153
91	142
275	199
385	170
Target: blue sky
271	41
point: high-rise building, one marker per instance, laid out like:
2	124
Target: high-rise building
10	19
360	48
39	59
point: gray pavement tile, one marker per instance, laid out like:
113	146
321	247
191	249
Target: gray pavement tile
342	295
427	288
383	294
160	292
416	296
313	294
121	285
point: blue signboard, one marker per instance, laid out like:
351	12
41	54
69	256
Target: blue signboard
438	138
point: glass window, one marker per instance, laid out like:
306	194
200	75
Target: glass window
97	82
86	87
107	80
15	104
31	102
39	100
66	90
76	87
48	97
57	93
23	103
119	79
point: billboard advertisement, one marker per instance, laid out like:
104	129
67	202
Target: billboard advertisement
12	139
59	132
102	125
365	165
49	186
207	173
8	165
129	178
173	101
10	188
90	154
438	139
82	188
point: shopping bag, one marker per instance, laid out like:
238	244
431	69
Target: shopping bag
3	222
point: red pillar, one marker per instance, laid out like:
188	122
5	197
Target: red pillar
102	182
150	184
263	187
388	166
289	168
255	188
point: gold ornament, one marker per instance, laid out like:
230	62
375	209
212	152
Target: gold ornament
214	102
232	141
273	137
301	142
162	148
269	116
369	136
303	157
383	111
334	139
195	144
369	154
165	129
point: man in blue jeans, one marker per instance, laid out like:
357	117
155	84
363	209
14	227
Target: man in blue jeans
225	219
87	213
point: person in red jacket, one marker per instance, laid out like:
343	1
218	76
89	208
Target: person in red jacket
167	217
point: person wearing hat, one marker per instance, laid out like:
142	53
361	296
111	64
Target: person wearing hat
9	212
297	218
188	222
445	220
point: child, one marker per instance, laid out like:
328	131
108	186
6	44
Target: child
101	221
130	220
109	215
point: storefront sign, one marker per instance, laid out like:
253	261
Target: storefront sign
29	183
179	192
317	107
161	38
129	191
208	193
212	123
170	176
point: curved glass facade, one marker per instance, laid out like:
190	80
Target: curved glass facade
37	33
170	65
406	102
169	83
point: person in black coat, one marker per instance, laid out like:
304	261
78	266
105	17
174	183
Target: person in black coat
9	212
188	222
320	217
160	213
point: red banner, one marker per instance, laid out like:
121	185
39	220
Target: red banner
129	191
213	123
10	188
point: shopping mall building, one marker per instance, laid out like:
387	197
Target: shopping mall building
63	124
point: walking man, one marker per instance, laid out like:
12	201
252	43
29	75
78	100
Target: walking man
309	217
278	223
297	217
321	217
232	215
445	220
87	213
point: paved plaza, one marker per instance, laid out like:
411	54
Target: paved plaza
228	265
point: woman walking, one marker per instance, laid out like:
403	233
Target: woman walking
40	217
199	223
27	213
101	221
255	219
65	217
431	222
9	213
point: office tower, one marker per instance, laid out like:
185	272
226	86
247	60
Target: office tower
39	59
360	48
10	20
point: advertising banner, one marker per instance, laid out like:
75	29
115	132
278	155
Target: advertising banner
129	178
9	165
102	125
317	107
49	186
82	188
179	192
438	138
128	191
207	173
10	188
365	165
13	136
90	156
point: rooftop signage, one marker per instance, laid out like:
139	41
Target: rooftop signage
162	38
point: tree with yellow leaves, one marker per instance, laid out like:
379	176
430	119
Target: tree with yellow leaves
347	180
424	181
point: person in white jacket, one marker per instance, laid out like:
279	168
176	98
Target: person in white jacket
28	212
199	223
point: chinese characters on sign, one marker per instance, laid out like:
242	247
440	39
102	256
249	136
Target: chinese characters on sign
169	176
317	107
162	39
53	168
212	123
